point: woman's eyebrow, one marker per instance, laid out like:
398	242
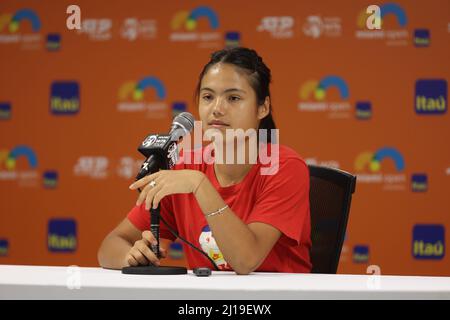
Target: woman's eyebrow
225	91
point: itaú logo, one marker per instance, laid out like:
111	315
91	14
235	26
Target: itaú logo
64	98
428	242
62	235
431	96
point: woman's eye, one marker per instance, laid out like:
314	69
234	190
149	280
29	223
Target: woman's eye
235	98
206	98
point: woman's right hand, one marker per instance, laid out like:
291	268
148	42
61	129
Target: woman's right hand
141	254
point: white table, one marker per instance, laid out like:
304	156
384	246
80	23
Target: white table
44	282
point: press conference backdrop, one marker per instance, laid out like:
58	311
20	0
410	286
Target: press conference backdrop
75	105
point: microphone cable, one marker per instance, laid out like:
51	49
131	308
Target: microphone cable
176	235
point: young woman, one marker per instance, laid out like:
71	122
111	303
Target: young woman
244	220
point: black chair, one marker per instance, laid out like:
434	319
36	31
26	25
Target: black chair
330	198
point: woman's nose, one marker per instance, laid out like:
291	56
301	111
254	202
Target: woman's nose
218	107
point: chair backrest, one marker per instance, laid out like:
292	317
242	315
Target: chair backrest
330	198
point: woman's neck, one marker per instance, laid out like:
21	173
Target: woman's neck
232	173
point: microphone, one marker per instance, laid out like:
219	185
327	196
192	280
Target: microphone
161	150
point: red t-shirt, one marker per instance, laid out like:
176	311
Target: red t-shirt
280	200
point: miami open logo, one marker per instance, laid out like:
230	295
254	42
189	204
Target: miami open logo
147	95
22	26
200	24
329	95
393	32
385	166
19	164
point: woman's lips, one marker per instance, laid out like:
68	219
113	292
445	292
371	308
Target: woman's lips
218	124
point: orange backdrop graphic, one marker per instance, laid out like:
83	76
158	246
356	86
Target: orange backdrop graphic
74	107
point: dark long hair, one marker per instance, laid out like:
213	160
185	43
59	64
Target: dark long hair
258	73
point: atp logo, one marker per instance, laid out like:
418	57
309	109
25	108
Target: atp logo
280	27
92	167
186	25
371	168
133	97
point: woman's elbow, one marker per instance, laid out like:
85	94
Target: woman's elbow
246	267
243	272
101	255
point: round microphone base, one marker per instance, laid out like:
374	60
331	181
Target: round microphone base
154	270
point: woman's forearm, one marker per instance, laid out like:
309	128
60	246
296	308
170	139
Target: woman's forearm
235	239
113	251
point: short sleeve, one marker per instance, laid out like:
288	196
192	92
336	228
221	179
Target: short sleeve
284	200
140	218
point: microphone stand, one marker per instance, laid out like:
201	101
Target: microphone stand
154	228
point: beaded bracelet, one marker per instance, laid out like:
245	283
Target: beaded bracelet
216	212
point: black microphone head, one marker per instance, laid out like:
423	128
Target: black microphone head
182	124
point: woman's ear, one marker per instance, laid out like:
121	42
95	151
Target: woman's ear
264	109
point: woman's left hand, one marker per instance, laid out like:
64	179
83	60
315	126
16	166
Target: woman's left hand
166	182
